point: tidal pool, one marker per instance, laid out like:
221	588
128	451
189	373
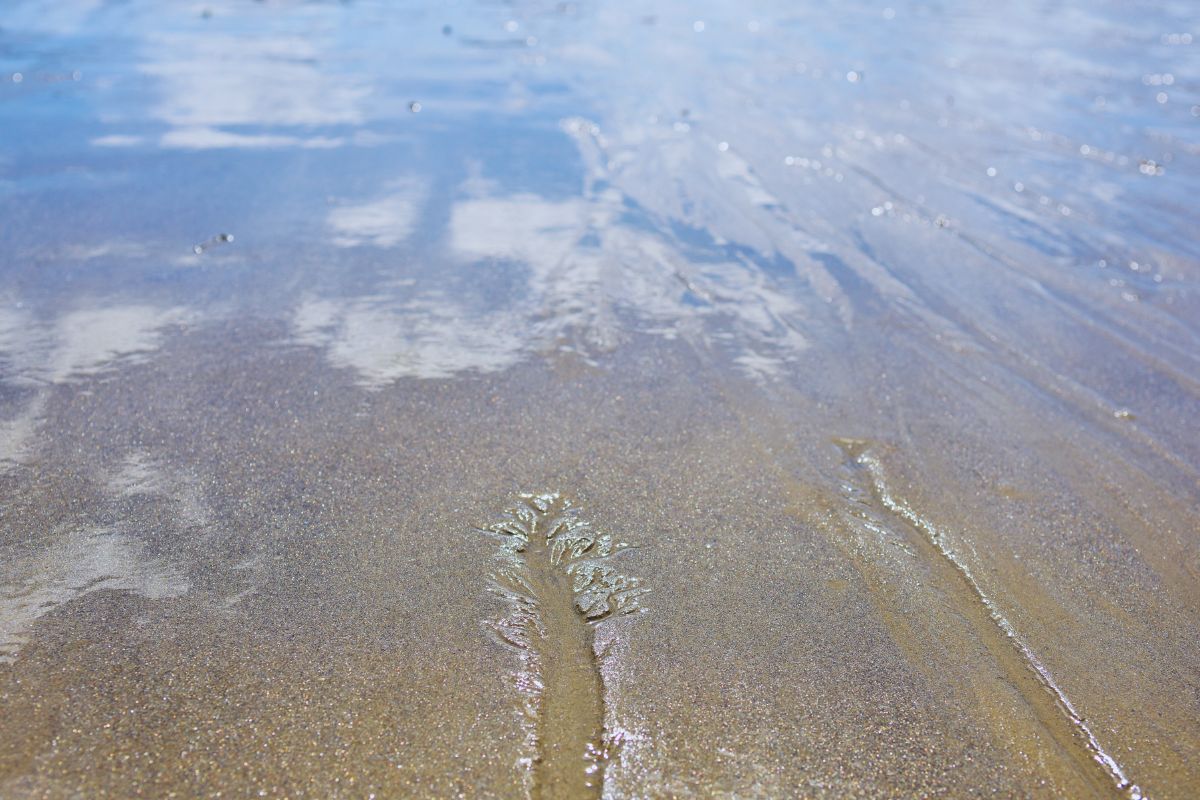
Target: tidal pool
579	399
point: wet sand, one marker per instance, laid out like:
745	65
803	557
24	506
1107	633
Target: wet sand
857	346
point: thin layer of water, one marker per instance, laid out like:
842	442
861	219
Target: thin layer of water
294	296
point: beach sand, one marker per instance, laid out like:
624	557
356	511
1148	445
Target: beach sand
858	347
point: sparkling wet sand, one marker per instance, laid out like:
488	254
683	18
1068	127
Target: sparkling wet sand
867	337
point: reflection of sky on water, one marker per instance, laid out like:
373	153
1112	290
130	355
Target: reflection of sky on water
80	561
382	222
384	339
79	344
989	206
578	273
83	558
760	179
216	80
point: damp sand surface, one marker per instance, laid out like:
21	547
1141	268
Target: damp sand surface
599	400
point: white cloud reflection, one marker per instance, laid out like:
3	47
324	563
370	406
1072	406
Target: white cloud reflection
37	354
206	138
383	338
224	85
383	222
89	341
209	80
79	562
524	227
584	279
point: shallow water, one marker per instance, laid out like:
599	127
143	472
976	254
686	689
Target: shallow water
861	339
